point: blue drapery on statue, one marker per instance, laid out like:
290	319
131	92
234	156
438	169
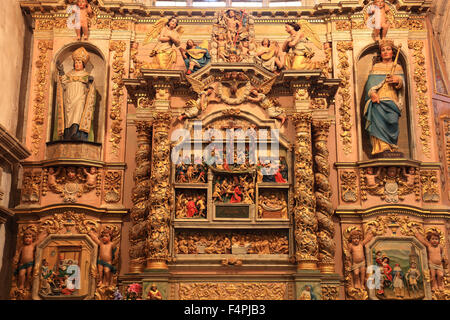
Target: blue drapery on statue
203	61
382	118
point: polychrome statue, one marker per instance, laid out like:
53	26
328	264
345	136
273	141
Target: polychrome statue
76	98
168	33
299	54
383	100
195	57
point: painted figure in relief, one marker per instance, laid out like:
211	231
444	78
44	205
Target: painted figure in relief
268	55
437	262
412	277
377	18
24	258
76	98
299	55
106	256
383	100
168	33
195	56
153	293
307	293
356	250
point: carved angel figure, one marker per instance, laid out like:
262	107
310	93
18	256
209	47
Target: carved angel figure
299	55
194	107
168	32
268	55
259	95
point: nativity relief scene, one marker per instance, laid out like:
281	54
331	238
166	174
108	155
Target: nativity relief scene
298	149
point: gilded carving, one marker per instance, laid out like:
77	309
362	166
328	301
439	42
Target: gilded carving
304	210
324	207
69	222
112	189
40	91
391	184
430	187
119	25
349	187
161	198
245	242
71	182
330	292
394	223
135	63
31	186
232	291
343	25
420	79
345	119
118	67
140	195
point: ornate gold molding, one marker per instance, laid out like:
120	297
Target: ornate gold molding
41	87
349	186
345	119
161	194
31	186
330	292
324	207
420	78
395	223
304	211
118	67
140	195
112	189
232	291
430	187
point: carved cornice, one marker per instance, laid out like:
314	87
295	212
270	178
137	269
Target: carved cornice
122	8
11	150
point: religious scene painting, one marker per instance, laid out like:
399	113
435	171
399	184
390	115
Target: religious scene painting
397	270
65	268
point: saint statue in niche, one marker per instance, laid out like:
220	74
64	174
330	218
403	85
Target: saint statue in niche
383	100
76	98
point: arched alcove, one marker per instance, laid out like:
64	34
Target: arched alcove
97	69
365	61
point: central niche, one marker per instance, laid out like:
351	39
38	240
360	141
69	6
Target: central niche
236	177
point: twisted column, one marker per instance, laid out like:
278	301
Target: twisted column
141	190
324	207
304	208
161	195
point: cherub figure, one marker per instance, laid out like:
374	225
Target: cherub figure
356	250
107	249
193	108
51	180
24	258
437	262
377	18
91	177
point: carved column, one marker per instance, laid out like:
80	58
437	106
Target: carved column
141	191
324	207
161	195
304	208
